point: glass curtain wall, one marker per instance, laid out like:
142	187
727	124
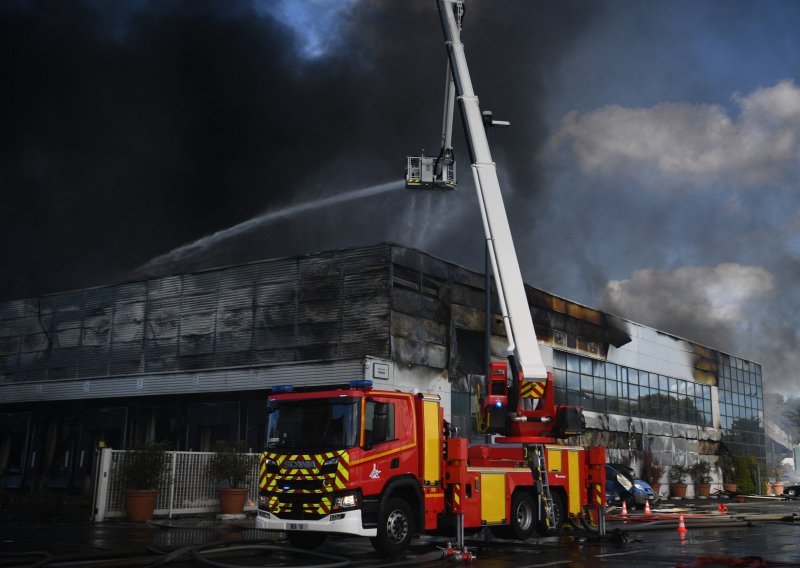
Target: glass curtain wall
600	386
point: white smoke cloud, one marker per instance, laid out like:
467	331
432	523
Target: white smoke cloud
687	146
704	304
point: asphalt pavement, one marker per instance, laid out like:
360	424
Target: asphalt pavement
758	532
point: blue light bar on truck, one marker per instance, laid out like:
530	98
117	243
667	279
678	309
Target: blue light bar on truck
362	384
282	388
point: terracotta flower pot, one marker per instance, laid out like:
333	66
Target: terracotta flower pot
231	500
656	487
729	487
140	504
678	490
777	487
702	489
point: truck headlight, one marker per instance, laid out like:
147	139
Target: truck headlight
271	465
347	501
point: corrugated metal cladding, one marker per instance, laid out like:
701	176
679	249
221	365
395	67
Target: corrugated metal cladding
211	381
322	307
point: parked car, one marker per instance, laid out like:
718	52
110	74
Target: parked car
623	481
612	499
791	491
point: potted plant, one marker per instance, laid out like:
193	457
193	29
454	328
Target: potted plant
232	469
701	477
652	471
143	470
677	483
775	476
727	465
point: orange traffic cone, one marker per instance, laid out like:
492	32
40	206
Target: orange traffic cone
647	508
624	509
681	526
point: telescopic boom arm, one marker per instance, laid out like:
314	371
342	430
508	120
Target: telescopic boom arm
523	349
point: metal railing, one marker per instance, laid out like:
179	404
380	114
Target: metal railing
187	488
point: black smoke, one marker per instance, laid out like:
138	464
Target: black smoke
131	129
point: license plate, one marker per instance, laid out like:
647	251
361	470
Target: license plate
296	526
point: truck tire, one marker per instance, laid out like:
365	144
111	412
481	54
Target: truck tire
395	528
558	512
306	540
522	521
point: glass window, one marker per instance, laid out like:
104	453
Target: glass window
689	389
612	405
599	403
559	360
586	366
599	386
573	381
624	406
587	383
573	398
673	385
611	371
633	376
561	396
572	363
663	383
633	390
654	381
559	378
622	389
599	369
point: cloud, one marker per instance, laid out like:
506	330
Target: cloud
317	24
709	305
682	146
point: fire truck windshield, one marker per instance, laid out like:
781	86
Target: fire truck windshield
313	424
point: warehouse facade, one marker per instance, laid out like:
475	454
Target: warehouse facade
191	358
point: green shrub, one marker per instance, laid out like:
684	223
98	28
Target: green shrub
700	472
230	467
678	473
145	466
745	467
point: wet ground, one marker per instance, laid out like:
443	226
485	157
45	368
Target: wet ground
763	528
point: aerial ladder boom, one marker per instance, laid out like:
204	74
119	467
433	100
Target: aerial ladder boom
523	349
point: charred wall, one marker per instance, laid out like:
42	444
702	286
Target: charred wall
329	306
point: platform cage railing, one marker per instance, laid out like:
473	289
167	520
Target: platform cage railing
186	488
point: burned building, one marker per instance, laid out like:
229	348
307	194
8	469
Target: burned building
191	358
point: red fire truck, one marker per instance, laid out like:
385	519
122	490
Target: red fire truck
383	464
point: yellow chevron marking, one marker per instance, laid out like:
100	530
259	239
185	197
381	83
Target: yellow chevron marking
533	389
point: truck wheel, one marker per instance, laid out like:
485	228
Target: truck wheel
395	528
558	513
523	517
307	540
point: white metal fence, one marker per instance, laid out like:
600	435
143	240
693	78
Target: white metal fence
187	488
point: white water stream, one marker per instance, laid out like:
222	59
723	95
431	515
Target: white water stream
202	244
